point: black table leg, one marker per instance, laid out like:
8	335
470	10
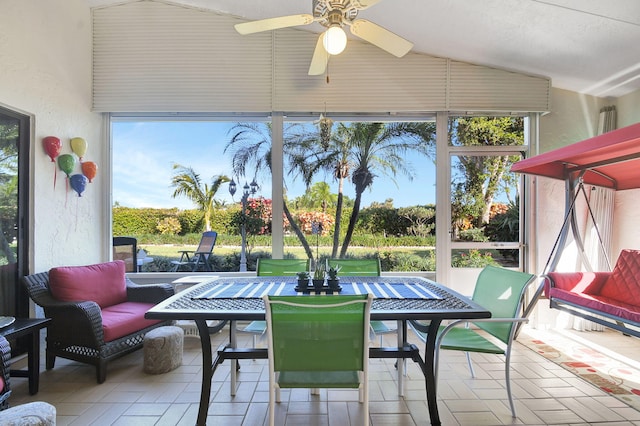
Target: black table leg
429	372
34	362
207	374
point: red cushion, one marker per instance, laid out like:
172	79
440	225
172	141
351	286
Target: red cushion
103	283
577	282
125	318
624	282
1	384
599	303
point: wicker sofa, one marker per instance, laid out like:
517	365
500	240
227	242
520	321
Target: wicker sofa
97	313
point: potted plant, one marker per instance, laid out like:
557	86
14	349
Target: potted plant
303	279
318	277
332	273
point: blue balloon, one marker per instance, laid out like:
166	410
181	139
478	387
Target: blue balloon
78	183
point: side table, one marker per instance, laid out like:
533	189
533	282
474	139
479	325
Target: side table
28	327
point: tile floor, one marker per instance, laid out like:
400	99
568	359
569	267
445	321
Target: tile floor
546	393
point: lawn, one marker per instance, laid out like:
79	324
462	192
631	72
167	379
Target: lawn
173	250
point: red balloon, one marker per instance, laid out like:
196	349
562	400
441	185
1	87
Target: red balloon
52	146
89	169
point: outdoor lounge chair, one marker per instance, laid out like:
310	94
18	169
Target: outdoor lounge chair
126	249
200	259
318	342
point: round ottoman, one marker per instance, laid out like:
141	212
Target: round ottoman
162	348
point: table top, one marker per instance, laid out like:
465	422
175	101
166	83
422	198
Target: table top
395	298
23	326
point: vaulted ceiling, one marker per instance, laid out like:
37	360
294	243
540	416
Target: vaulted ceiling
586	46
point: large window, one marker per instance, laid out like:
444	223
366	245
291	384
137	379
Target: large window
350	188
485	196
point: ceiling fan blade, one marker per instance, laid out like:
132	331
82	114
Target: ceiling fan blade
383	38
273	23
320	58
364	4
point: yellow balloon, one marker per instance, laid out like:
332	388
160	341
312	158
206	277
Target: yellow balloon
79	146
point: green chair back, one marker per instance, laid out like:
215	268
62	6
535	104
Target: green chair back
281	267
501	291
356	267
319	333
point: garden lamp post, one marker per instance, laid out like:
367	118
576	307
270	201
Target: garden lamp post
246	191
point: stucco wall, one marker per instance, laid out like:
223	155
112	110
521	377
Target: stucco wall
626	230
574	117
45	72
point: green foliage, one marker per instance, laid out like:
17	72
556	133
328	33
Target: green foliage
473	234
477	180
130	221
473	259
169	225
391	261
222	219
505	226
386	220
191	221
422	219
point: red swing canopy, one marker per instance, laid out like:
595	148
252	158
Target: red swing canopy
611	160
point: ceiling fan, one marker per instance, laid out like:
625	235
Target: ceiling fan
334	14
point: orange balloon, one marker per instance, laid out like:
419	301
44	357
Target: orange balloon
89	169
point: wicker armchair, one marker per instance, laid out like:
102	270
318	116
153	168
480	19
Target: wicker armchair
5	389
76	331
37	413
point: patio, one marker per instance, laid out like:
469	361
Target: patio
545	392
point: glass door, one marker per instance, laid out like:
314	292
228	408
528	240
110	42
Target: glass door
14	148
485	208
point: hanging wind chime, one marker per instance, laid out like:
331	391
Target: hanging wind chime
325	124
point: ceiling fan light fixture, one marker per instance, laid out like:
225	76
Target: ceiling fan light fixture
334	40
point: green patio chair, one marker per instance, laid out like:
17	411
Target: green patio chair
318	342
504	293
274	268
363	268
281	267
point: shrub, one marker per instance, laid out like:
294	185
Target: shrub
473	234
169	226
191	221
473	259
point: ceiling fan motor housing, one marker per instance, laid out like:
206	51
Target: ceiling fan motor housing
332	12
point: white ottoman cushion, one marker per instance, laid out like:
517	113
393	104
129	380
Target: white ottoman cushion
163	348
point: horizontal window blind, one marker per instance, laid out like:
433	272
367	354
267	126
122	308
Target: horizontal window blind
151	56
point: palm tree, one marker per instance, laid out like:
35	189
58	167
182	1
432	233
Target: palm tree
251	147
187	182
319	195
383	148
362	147
356	151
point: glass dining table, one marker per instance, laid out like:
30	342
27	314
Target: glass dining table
396	298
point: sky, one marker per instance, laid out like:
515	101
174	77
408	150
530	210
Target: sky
144	154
